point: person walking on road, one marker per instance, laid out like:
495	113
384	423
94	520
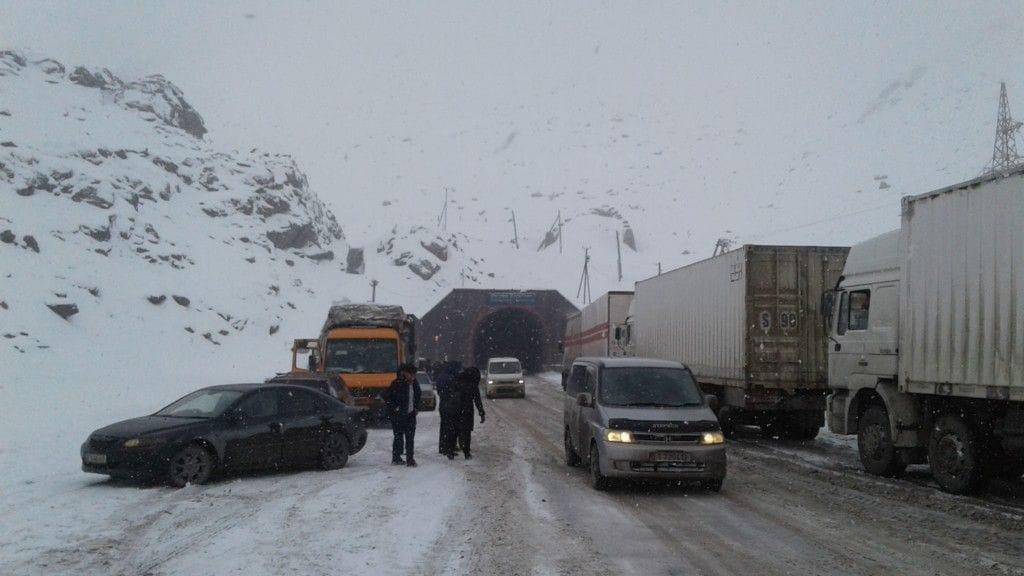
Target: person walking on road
403	398
448	397
469	397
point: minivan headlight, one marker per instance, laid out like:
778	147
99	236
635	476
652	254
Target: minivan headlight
712	438
520	380
622	436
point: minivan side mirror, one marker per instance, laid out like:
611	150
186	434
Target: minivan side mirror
712	402
584	399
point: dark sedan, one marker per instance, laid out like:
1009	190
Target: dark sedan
228	428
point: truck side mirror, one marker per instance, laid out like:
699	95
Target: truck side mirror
561	347
313	362
618	332
827	302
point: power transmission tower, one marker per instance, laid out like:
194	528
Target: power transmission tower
515	231
373	287
584	288
442	219
618	250
1004	151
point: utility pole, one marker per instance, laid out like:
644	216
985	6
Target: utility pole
559	231
618	250
442	219
584	288
373	286
515	231
1004	151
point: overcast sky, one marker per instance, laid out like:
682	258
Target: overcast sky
342	85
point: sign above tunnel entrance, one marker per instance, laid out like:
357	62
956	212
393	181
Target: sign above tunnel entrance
511	298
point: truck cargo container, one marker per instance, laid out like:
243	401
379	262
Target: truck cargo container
749	325
592	331
927	358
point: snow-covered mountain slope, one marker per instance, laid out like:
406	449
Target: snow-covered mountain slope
123	232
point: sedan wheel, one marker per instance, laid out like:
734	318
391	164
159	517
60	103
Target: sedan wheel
335	451
193	465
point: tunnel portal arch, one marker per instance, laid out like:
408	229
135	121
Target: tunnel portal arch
470	326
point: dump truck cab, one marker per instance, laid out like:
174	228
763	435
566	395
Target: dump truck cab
364	344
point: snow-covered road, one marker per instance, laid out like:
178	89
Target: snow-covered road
794	508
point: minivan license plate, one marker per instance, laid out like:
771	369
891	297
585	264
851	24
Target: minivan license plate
672	457
95	458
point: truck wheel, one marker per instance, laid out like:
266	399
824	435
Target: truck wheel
727	420
878	455
572	459
597	480
955	456
805	425
775	426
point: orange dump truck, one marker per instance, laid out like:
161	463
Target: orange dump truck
364	344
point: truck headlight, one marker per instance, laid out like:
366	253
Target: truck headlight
521	382
490	381
712	438
622	436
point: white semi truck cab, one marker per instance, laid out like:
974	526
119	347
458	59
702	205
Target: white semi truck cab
926	338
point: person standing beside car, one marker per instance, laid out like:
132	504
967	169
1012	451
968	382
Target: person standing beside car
469	397
447	389
402	398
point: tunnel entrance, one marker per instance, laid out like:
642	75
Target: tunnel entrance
510	332
470	325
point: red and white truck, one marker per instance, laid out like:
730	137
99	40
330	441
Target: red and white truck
592	331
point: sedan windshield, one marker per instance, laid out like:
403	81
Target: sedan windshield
660	387
362	356
504	368
202	404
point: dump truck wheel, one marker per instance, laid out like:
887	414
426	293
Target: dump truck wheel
956	456
877	452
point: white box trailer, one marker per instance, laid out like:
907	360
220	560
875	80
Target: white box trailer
927	363
592	330
748	323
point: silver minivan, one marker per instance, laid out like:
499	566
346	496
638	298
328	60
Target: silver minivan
504	378
641	418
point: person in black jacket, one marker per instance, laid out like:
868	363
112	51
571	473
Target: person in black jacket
469	397
449	407
403	398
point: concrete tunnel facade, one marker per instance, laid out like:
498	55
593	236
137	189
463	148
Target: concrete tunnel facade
472	325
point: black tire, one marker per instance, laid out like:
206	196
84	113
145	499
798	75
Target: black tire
1009	470
877	452
727	420
956	456
804	425
191	465
712	485
597	480
572	459
334	452
774	426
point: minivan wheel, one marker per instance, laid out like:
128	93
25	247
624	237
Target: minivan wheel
334	452
877	452
597	480
572	459
955	456
192	465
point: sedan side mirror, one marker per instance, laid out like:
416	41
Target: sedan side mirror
584	399
712	402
